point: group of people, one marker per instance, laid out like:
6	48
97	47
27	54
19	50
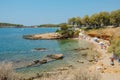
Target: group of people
103	44
114	57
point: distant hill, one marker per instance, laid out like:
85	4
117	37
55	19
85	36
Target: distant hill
50	25
2	25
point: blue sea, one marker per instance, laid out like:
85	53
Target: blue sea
19	51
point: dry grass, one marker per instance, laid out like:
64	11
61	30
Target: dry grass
86	76
71	75
7	73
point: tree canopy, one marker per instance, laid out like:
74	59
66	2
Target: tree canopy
115	17
97	20
48	25
51	25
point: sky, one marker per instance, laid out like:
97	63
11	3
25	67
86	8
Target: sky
36	12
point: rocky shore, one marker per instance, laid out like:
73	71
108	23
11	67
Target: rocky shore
46	36
102	65
46	59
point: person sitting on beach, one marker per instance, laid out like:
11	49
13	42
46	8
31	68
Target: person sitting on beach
101	44
95	39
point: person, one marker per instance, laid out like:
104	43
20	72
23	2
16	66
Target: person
95	39
101	44
80	35
112	61
119	61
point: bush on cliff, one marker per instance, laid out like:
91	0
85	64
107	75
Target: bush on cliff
67	31
115	46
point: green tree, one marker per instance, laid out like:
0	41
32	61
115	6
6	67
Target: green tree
66	31
104	18
78	21
85	20
72	21
94	20
115	18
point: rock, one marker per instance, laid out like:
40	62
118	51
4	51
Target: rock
55	56
36	61
79	49
31	78
31	37
46	36
38	75
70	66
43	61
102	71
98	67
31	64
80	61
91	60
40	49
63	69
85	54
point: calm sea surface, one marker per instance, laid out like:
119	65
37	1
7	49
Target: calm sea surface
15	49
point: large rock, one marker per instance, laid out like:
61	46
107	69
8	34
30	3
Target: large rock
36	61
46	36
55	56
33	63
43	61
31	37
84	54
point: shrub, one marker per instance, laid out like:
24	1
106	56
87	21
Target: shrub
66	31
7	73
72	75
86	76
115	46
76	33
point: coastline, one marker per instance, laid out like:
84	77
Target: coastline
102	66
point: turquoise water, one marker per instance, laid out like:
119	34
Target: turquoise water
13	48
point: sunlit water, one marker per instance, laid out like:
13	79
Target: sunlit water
13	48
